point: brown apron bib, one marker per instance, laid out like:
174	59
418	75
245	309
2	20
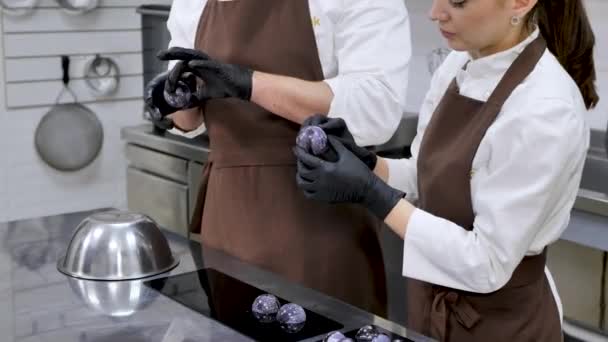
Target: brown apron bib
249	205
524	309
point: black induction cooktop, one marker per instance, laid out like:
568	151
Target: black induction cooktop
393	337
228	300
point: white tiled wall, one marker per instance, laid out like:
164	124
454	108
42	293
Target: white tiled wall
598	10
426	37
3	151
28	187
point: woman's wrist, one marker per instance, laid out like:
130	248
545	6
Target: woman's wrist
381	169
399	217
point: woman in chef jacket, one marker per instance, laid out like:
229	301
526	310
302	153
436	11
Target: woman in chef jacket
495	169
267	66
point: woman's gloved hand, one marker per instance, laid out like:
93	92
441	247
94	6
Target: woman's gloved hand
337	127
346	180
220	79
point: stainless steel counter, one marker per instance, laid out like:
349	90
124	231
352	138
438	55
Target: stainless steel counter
145	135
41	304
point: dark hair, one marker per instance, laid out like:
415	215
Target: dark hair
565	26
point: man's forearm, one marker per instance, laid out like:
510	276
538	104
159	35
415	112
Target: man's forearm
291	98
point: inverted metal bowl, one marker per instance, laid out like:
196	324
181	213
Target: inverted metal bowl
117	245
114	298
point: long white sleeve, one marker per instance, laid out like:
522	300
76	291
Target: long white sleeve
373	49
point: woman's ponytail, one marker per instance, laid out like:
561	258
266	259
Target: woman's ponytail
566	28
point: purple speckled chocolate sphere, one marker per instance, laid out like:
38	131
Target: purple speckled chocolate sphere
265	308
381	338
367	334
291	317
180	98
312	139
334	336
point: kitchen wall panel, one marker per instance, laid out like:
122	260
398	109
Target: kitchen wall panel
46	68
3	137
425	38
110	3
58	43
598	11
30	79
50	19
598	117
26	94
35	189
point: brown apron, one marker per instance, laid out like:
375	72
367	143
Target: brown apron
249	205
524	309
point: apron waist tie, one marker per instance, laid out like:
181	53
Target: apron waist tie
446	302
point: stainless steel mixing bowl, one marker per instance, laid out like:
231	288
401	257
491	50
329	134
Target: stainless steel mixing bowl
114	298
117	245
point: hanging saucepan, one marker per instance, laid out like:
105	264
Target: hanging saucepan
18	7
69	136
77	6
102	76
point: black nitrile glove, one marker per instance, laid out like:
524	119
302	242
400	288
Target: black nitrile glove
171	91
221	80
155	106
347	180
224	80
337	127
181	75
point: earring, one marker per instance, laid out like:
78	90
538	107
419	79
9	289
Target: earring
515	20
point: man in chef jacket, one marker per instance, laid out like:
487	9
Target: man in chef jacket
257	70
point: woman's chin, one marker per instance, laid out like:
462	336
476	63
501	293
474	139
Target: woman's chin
456	45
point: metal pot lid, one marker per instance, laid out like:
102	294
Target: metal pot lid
69	137
102	75
18	7
77	6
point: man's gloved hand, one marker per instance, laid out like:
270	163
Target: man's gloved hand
171	91
221	80
346	180
337	127
156	107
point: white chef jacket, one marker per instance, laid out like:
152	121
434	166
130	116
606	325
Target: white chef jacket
525	175
364	47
